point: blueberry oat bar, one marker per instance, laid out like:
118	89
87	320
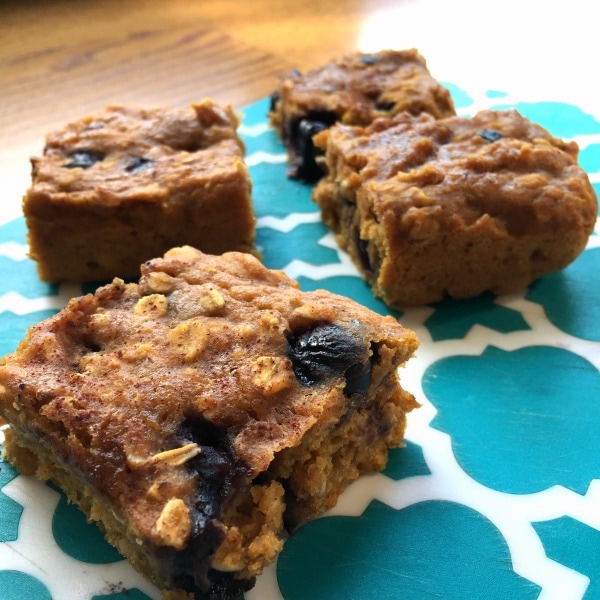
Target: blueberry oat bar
453	207
353	90
122	186
202	413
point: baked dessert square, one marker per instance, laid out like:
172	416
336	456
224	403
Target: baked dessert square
205	412
123	186
429	209
355	90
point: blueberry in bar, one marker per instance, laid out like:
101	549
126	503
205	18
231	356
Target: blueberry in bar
354	89
126	184
433	208
202	414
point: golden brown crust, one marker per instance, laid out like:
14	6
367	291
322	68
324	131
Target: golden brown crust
124	185
355	90
360	87
454	206
193	398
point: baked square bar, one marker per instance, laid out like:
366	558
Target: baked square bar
454	207
200	414
354	90
123	186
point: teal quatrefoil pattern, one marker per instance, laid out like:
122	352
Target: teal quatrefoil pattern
497	492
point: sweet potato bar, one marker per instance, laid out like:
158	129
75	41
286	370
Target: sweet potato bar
127	184
429	208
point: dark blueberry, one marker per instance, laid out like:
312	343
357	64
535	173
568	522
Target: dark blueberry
295	73
138	164
210	584
385	105
368	59
489	135
306	167
306	130
217	473
358	378
84	159
297	136
319	353
362	247
215	467
213	463
226	587
274	99
328	351
201	432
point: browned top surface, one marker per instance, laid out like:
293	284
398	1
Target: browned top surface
131	153
359	86
457	169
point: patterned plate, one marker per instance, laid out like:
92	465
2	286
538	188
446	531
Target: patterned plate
497	492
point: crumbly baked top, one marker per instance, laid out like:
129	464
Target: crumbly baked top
354	89
457	169
358	87
122	154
